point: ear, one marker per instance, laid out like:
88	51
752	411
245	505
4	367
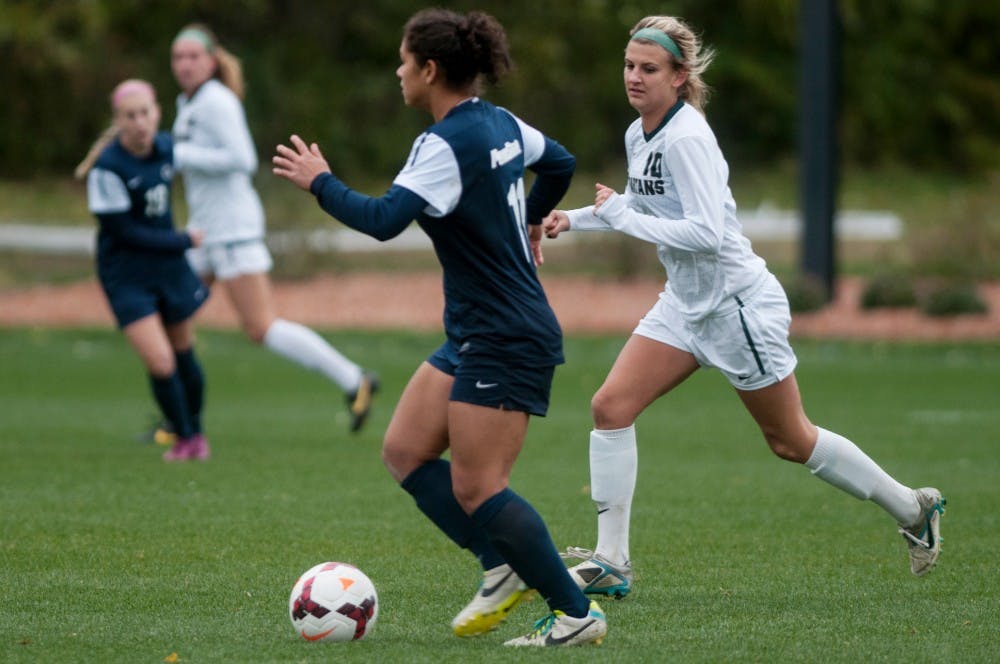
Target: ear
429	71
680	77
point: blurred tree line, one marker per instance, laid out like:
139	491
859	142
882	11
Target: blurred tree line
918	77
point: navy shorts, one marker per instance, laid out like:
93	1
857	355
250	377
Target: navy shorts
175	299
494	383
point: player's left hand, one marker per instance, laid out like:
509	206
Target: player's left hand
300	165
602	194
535	240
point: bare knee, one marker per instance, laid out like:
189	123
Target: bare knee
796	448
612	411
401	458
471	493
254	332
161	365
396	460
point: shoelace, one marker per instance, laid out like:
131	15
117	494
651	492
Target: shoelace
543	625
577	552
914	539
918	540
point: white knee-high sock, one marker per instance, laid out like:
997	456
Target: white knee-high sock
304	347
840	462
614	460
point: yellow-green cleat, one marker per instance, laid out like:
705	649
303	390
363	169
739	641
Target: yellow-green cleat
499	592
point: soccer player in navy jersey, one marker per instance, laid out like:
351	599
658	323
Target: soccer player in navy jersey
152	291
464	184
721	307
215	155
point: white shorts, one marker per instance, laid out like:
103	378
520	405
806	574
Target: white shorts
748	343
230	259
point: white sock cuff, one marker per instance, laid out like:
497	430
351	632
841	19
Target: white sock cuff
278	327
624	435
822	451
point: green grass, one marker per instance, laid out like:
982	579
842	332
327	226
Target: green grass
109	555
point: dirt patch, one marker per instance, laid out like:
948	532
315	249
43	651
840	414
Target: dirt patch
379	300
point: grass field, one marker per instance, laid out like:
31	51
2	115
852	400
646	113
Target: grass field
109	555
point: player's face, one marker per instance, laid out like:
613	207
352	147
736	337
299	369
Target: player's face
651	81
191	63
137	117
411	80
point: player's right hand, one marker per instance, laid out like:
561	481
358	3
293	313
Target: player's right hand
554	223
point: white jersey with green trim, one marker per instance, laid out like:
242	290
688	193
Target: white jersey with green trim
678	198
215	154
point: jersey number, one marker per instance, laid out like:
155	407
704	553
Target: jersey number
515	199
157	200
654	165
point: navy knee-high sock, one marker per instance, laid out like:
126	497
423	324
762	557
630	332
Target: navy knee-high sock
169	394
519	534
193	378
430	486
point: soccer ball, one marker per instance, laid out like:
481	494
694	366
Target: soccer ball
333	602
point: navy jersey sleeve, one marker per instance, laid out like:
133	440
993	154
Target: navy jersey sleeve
382	218
123	228
554	170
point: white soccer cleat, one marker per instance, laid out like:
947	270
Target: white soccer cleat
499	592
559	629
597	575
924	537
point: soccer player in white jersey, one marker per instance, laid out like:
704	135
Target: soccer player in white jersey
215	154
473	397
720	308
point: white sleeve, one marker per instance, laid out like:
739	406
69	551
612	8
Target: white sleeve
432	173
534	141
583	219
232	149
701	230
106	193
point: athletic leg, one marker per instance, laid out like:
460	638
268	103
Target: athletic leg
644	371
149	339
485	442
181	336
252	298
416	438
778	411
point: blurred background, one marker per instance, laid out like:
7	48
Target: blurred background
918	118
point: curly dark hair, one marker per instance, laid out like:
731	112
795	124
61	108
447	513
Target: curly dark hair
466	47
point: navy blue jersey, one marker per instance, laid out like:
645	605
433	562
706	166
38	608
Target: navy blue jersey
130	196
464	182
492	292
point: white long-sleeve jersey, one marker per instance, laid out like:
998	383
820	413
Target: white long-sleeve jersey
216	156
678	198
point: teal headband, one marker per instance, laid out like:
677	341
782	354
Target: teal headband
194	34
661	38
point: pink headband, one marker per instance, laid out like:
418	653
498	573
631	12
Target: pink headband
129	87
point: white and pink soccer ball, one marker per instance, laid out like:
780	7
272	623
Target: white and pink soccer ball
333	602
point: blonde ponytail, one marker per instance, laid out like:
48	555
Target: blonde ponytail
108	135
